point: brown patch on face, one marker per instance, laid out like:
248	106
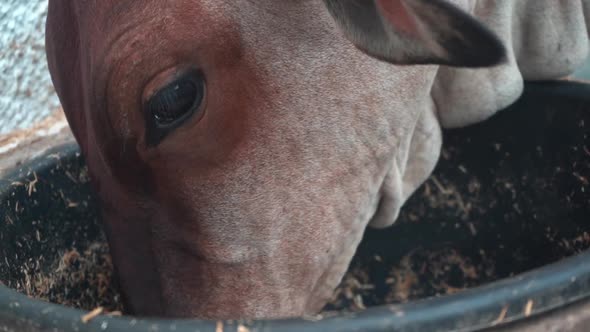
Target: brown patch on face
136	181
143	42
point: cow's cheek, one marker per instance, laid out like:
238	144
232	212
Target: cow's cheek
136	271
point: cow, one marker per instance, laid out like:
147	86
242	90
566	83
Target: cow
239	148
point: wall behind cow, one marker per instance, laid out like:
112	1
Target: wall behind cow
26	91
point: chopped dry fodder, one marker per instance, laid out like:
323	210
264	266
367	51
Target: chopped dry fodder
77	279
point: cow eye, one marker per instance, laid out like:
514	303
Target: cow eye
172	105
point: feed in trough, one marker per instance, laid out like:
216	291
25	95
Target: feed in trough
482	216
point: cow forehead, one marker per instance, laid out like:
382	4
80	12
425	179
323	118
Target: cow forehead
301	22
112	13
274	30
112	18
293	45
110	29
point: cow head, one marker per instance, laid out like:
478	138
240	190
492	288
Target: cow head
240	148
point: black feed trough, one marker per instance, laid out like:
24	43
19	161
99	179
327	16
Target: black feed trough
496	239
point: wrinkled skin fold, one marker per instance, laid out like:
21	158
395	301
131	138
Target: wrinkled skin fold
316	122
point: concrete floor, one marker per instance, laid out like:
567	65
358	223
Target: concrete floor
26	91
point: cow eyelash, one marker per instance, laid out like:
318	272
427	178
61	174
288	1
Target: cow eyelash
172	105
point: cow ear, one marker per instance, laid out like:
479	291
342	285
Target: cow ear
417	32
62	49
